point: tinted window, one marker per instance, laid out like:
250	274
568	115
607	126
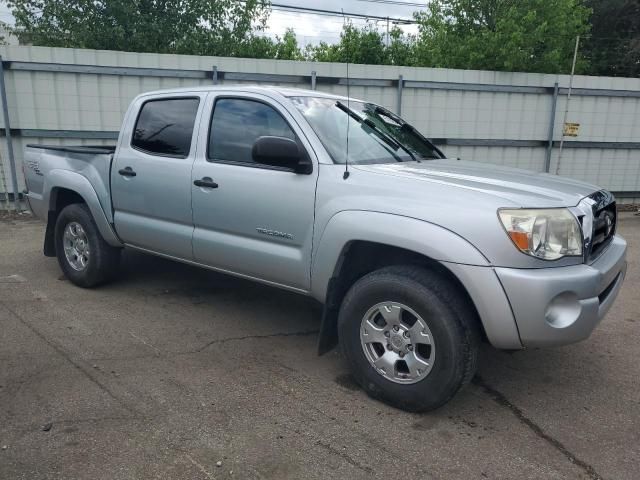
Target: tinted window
165	127
237	124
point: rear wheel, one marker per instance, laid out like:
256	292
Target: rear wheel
85	258
410	336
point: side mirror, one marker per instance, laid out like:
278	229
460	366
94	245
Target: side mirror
280	152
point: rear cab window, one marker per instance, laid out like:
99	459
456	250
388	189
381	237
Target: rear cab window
165	126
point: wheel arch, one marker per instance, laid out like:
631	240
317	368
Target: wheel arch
380	240
65	188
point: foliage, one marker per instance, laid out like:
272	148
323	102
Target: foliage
356	45
508	35
514	35
401	49
365	45
200	27
286	48
614	45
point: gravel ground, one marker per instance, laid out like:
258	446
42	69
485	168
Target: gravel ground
175	372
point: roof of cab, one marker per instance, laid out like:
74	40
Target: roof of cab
269	90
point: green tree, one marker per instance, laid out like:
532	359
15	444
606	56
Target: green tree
202	27
255	46
613	48
512	35
323	52
364	45
356	45
401	49
286	48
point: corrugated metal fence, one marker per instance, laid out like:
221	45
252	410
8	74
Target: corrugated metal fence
61	96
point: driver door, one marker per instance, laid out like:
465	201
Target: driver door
251	219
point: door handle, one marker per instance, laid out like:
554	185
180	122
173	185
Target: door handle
127	172
205	182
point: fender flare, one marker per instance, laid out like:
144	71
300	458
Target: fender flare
419	236
463	260
79	184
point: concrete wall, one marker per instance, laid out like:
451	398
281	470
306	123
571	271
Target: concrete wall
493	117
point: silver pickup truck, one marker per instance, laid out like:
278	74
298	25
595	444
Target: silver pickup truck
416	258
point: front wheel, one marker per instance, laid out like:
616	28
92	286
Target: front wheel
85	258
410	337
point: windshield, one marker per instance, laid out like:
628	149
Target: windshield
368	135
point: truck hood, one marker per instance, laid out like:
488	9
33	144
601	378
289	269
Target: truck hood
523	188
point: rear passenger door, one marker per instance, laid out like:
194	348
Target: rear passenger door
257	220
151	174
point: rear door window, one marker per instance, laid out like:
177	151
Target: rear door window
165	126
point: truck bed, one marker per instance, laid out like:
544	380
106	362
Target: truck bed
87	166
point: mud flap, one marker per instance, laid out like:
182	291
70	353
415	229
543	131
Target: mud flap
328	338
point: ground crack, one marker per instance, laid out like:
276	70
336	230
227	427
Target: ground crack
75	363
500	399
303	333
344	455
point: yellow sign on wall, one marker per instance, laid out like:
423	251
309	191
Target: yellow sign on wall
571	129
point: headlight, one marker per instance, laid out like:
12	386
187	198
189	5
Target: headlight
548	234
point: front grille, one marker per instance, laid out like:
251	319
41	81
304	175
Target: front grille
604	222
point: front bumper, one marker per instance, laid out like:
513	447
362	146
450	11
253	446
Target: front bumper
557	306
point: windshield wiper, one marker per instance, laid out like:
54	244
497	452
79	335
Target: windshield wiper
407	127
369	123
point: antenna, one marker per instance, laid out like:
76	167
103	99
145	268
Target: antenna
345	175
346	158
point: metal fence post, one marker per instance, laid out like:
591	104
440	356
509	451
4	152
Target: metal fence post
400	85
552	122
313	80
7	130
214	75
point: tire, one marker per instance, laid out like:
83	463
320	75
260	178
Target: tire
102	259
445	337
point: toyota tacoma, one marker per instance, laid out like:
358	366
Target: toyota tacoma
416	258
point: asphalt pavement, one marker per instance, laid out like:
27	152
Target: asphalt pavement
172	372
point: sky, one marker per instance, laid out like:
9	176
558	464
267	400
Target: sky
315	28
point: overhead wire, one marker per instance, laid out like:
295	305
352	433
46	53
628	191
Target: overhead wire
396	2
335	13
